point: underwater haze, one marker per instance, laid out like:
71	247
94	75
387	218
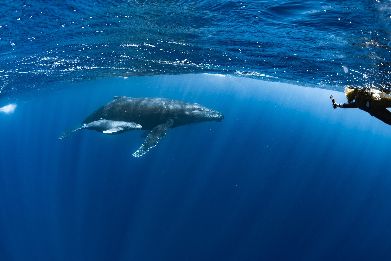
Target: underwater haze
283	176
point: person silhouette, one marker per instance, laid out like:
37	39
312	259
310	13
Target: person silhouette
371	100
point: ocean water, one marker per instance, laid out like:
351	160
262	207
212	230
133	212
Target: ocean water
282	177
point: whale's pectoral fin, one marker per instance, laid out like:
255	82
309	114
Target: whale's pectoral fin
153	138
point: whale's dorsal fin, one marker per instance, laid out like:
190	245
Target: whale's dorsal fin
153	138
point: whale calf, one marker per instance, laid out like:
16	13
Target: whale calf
155	115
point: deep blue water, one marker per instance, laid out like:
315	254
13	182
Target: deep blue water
282	177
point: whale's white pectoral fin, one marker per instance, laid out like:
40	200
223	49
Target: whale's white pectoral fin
113	130
153	138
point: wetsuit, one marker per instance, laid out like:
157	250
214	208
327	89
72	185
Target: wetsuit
373	102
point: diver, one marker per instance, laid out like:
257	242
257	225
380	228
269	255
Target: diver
371	100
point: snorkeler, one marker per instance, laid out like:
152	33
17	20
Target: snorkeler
371	100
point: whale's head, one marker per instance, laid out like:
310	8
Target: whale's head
200	113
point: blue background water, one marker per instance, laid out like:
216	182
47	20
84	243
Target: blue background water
283	177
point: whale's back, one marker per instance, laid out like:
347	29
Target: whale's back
149	112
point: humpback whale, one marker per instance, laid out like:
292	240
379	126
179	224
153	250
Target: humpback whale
155	115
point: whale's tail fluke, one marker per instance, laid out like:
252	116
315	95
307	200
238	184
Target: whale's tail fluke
66	134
